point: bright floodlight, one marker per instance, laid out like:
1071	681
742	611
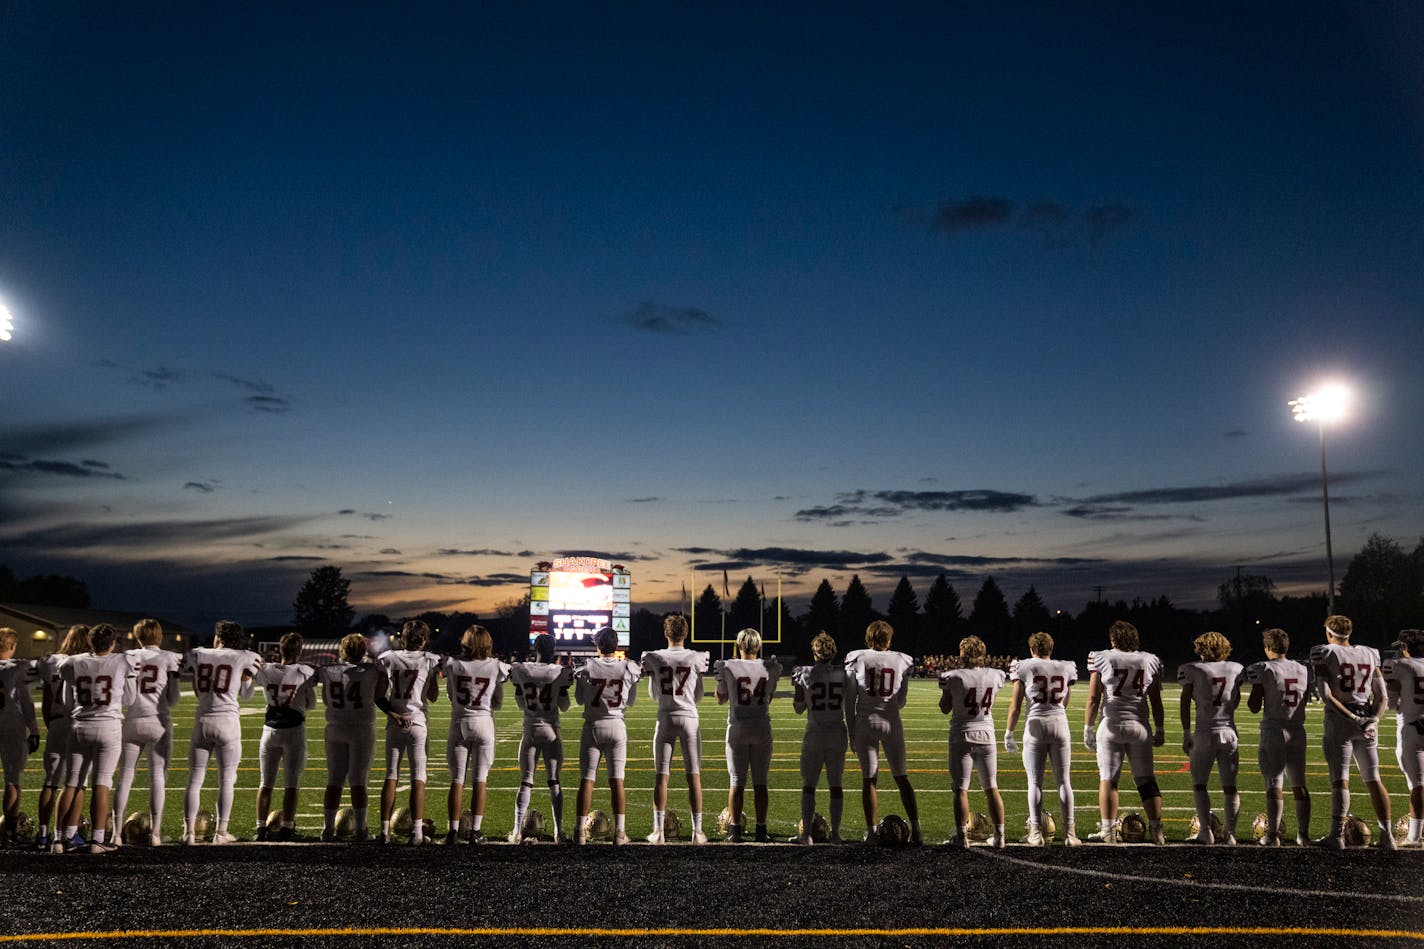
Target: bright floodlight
1326	405
7	324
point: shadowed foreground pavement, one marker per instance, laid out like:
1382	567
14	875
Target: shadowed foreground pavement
777	887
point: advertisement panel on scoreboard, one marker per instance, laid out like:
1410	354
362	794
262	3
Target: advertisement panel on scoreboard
573	598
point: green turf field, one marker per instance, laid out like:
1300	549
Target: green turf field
925	731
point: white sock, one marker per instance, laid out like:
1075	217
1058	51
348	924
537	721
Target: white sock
1416	828
697	821
658	817
1104	824
479	821
99	836
619	821
386	827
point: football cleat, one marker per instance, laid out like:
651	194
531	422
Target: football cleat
262	835
516	836
698	837
155	840
656	837
1108	836
1070	839
1035	837
734	833
872	837
1158	835
1332	842
74	844
95	847
620	838
760	835
997	841
476	837
804	840
42	842
452	837
223	837
958	840
188	839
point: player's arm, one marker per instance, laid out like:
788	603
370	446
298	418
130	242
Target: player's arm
1090	714
249	680
27	712
1015	706
798	699
47	698
1256	699
722	696
946	697
903	696
173	687
1159	714
1378	697
1184	708
518	693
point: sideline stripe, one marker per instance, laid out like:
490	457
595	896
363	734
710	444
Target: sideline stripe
631	933
1171	881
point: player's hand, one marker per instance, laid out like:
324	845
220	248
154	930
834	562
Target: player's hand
1369	727
1090	738
1160	738
1187	744
34	742
1011	744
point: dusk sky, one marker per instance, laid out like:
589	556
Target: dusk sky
433	293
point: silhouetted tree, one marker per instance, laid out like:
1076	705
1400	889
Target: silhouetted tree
1380	588
50	589
321	608
856	611
903	612
990	619
646	632
824	614
1031	616
746	609
707	616
943	619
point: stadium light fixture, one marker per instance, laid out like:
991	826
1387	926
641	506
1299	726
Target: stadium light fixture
7	324
1327	404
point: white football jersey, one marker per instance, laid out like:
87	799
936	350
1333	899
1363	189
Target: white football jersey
606	687
100	685
289	692
47	670
475	687
972	694
349	691
17	705
409	672
1216	690
218	678
1349	670
825	687
1409	673
1045	684
1127	677
675	678
537	689
158	680
1284	684
882	681
749	685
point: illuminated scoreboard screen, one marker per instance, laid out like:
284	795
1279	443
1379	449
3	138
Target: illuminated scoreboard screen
573	597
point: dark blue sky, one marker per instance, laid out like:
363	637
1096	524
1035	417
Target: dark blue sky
1019	291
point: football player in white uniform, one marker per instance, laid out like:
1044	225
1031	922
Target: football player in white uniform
1125	682
222	677
290	696
414	678
352	689
1355	696
1047	683
19	734
59	805
541	690
605	687
1405	679
821	694
1213	685
101	683
1279	687
967	693
675	683
882	684
747	685
475	684
148	726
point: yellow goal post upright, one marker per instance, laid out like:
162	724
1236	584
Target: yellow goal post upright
722	638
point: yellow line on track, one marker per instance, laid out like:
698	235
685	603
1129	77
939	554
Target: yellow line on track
635	933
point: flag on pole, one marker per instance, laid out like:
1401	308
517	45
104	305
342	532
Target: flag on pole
726	589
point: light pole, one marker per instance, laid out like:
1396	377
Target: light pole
1325	405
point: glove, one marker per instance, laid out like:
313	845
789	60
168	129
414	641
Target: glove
1090	738
34	742
1011	744
1159	739
1187	744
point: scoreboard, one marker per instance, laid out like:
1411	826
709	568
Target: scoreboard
571	598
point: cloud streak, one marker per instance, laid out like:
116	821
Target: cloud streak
670	320
1054	223
877	505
